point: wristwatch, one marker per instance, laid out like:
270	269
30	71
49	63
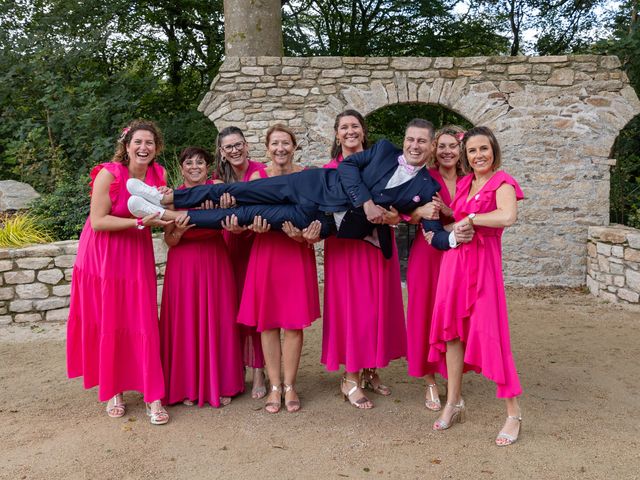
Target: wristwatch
139	224
470	217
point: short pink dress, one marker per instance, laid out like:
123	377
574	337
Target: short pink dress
112	332
363	317
422	279
470	301
281	284
239	246
199	337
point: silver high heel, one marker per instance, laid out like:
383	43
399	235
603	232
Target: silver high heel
274	407
291	405
459	415
510	439
159	416
432	401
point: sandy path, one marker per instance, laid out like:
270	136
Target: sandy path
580	368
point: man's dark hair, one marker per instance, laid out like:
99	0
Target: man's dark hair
422	123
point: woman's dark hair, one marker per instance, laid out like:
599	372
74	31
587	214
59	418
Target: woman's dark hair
224	171
191	152
336	149
120	155
493	141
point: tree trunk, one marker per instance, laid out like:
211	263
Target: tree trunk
253	28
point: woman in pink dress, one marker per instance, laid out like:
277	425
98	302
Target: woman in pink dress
112	332
281	285
363	325
234	165
200	342
470	323
424	265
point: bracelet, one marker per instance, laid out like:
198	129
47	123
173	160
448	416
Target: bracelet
139	224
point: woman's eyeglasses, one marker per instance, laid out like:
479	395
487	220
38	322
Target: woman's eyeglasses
230	148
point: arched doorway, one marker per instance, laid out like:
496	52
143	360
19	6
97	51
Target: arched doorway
624	194
389	122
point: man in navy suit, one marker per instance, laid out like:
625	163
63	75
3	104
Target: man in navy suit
355	200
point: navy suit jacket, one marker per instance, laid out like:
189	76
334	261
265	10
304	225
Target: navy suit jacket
364	176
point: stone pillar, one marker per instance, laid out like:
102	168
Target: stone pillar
253	28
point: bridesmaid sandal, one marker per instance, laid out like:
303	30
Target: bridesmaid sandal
258	392
224	401
371	380
360	402
458	415
156	413
274	407
432	400
505	439
291	405
116	408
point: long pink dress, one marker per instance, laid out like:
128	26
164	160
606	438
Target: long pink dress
363	318
281	284
470	300
239	246
112	332
200	341
422	279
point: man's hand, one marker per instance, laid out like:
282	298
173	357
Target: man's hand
375	213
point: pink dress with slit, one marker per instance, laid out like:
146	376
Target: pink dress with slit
363	317
470	300
200	341
422	279
112	332
239	246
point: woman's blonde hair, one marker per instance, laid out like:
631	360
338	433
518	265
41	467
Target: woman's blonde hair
456	132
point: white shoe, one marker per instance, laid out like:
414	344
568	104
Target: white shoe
141	189
140	208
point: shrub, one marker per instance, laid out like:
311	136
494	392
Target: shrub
64	211
22	229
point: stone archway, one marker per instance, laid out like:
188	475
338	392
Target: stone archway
555	117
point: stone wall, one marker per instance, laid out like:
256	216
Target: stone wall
556	119
613	268
35	281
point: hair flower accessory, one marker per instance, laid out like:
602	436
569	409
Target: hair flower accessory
460	136
123	134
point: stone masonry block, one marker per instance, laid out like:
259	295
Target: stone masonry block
60	315
51	277
65	261
27	317
19	277
34	263
32	290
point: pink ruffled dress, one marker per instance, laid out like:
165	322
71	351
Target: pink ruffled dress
200	341
112	332
239	246
363	317
422	279
470	300
281	284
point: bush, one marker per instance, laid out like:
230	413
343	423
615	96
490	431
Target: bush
64	211
22	229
